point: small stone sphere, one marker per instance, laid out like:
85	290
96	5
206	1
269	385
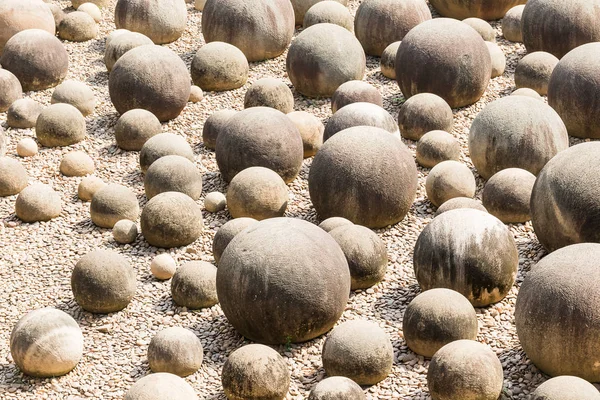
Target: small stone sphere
46	343
175	350
219	66
484	9
23	113
112	203
35	69
57	13
27	147
121	44
150	77
60	125
135	127
13	177
113	35
365	252
556	389
199	4
19	15
429	61
507	193
163	266
311	130
194	285
215	202
164	144
393	20
435	147
10	89
337	388
260	137
469	251
173	174
388	60
214	125
163	21
77	163
77	94
527	92
485	30
360	114
534	70
422	113
301	7
227	232
322	58
103	281
100	3
447	180
359	350
460	202
78	26
125	231
498	59
355	92
159	386
270	92
88	187
511	24
437	317
171	219
265	30
465	369
38	202
334	222
329	12
196	94
92	10
255	372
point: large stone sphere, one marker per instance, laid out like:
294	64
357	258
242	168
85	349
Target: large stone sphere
103	282
359	114
219	66
46	343
77	94
311	130
429	61
23	113
77	26
161	145
355	92
227	232
507	194
261	29
175	350
38	202
121	44
214	125
260	137
194	285
173	174
422	113
460	202
564	204
160	386
359	350
465	369
163	21
337	388
19	15
469	251
60	125
511	24
308	288
515	132
379	23
359	167
534	70
484	9
135	127
270	92
13	177
329	12
302	6
35	69
435	147
566	388
447	180
10	89
150	77
112	203
323	57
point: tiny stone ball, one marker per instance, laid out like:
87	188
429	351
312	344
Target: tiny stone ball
527	92
23	113
135	127
77	163
77	94
507	194
511	24
27	147
88	187
449	179
175	350
435	147
38	202
566	388
163	266
160	386
92	9
227	232
483	28
214	125
78	26
388	60
196	94
13	177
194	285
460	202
337	388
215	202
334	222
534	70
355	92
498	59
311	129
422	113
270	92
125	231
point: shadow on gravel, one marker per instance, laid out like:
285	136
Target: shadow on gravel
84	227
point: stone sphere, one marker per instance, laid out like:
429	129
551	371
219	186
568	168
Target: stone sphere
159	386
46	343
57	13
485	30
422	113
329	12
337	388
13	177
171	219
515	132
125	231
194	285
19	15
301	7
465	369
255	372
359	167
355	92
77	26
163	21
511	24
219	66
534	70
175	350
460	202
112	203
259	137
334	222
38	202
215	202
77	163
360	114
507	193
214	125
270	92
388	60
555	389
88	187
150	77
121	44
103	281
359	350
484	9
135	127
393	19
60	125
196	94
163	266
308	288
92	10
323	57
447	180
469	251
27	147
113	35
527	92
10	89
429	61
311	130
173	174
77	94
100	3
498	59
437	317
227	232
23	113
164	144
435	147
35	69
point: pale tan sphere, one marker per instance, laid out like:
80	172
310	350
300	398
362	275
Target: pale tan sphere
27	147
92	10
196	94
163	266
215	201
77	163
88	187
125	231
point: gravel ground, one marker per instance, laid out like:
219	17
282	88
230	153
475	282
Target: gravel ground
37	259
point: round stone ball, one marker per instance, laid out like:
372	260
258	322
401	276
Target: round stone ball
60	125
19	15
100	3
162	145
337	388
163	21
92	10
219	66
77	94
77	26
485	30
135	127
422	113
311	130
308	288
88	187
334	222
435	147
13	177
125	231
227	232
360	114
498	59
215	202
103	282
554	389
511	24
196	94
264	31
465	369
10	89
437	317
484	9
447	180
161	385
77	163
329	12
255	371
359	167
388	60
301	7
173	174
57	13
38	202
429	61
214	125
194	285
27	147
515	132
469	251
527	92
171	219
112	203
534	70
175	350
163	266
270	92
355	92
507	193
23	113
564	207
260	137
323	57
460	202
559	297
393	19
35	69
359	350
150	77
121	44
46	343
113	35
